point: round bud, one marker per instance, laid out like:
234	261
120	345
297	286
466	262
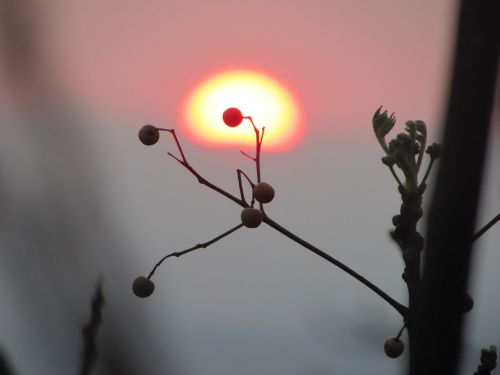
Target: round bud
263	192
467	303
232	117
149	135
143	287
251	217
394	347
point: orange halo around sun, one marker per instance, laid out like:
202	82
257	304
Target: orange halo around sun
267	101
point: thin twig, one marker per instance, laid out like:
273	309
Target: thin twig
240	173
483	230
248	156
396	177
90	332
391	301
198	246
401	331
422	149
258	144
200	178
427	172
396	305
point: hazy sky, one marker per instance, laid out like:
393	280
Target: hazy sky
82	197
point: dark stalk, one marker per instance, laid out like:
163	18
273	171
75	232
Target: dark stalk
195	247
396	305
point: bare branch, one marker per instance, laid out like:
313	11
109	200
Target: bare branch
391	168
483	230
198	246
200	178
391	301
248	156
427	172
90	332
240	173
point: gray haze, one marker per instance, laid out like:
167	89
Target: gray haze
81	198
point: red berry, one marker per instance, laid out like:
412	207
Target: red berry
149	135
251	217
143	287
263	192
232	117
394	347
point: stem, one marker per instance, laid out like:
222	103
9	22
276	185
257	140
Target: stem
240	173
90	331
483	230
198	246
427	172
401	331
396	177
258	144
422	150
200	178
396	305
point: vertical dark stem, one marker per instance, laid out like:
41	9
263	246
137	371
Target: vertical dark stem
454	204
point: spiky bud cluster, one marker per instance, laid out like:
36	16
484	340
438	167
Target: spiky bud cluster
143	287
149	135
394	347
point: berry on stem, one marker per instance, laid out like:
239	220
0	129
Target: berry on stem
149	135
393	347
251	217
232	117
263	192
143	287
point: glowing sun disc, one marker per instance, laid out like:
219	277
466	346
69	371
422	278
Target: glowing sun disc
267	101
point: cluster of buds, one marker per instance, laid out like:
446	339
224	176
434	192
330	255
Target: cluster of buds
406	151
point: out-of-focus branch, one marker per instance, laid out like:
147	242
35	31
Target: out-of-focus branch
89	332
452	214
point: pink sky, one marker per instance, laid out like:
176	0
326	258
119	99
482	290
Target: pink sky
343	59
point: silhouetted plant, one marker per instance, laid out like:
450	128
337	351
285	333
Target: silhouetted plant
404	156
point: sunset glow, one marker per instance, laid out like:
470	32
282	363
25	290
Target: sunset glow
268	102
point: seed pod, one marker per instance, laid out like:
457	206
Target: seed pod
263	192
393	347
232	117
251	217
149	135
143	287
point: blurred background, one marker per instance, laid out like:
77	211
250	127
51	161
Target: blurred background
81	198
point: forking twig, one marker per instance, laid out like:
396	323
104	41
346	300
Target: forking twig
401	309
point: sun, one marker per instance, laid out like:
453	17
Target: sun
267	101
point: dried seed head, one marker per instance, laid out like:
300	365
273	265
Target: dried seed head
232	117
149	135
251	217
263	192
143	287
393	347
